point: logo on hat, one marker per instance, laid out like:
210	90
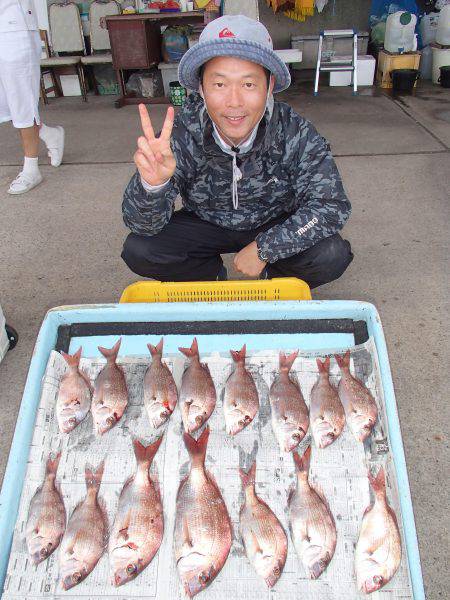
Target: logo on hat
226	33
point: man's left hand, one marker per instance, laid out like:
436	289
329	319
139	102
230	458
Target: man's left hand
247	261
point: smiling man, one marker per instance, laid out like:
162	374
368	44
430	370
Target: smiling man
255	178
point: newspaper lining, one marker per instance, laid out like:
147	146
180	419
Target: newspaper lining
339	471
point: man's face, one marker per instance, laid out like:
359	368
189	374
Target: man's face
235	92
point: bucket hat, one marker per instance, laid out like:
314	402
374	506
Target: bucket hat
237	36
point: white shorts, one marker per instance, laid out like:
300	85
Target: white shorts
20	73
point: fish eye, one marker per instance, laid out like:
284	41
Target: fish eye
276	570
110	421
199	419
72	421
247	418
203	577
77	577
163	414
131	569
377	579
296	436
43	552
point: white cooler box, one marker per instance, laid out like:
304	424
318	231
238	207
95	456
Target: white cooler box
365	71
169	72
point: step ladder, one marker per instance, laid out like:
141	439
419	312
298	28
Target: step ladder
344	64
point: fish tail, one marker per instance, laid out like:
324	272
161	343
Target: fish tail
158	349
378	482
302	462
94	477
146	454
248	478
286	362
197	448
111	353
239	355
323	366
52	463
192	351
73	360
343	360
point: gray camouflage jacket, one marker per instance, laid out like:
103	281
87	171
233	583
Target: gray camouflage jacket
289	169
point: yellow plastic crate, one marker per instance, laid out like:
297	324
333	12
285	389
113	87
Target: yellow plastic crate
289	288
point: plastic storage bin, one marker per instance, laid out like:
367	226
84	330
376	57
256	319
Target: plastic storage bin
309	44
365	70
443	27
169	72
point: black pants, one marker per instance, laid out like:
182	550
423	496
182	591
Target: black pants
189	249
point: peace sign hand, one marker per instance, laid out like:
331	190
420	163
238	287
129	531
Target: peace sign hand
154	158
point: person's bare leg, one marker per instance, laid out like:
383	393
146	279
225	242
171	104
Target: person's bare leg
30	141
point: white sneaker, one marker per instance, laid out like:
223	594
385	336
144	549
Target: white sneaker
56	150
24	182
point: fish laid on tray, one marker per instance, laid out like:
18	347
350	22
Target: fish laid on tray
110	392
138	528
197	393
74	394
160	390
241	401
202	535
46	521
326	412
379	549
263	536
290	417
360	407
312	525
86	534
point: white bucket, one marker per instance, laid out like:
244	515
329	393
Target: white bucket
428	27
441	58
4	341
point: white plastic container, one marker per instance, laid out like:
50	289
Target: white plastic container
428	27
169	72
400	28
426	62
4	342
70	85
365	70
443	28
441	58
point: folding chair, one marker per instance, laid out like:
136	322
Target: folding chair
100	43
67	36
54	87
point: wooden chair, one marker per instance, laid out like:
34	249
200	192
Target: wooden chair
67	37
100	44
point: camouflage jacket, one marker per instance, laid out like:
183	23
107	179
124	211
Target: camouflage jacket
289	169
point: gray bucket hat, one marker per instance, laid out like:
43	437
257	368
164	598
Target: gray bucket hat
237	36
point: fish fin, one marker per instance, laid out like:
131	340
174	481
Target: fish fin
94	478
256	545
239	355
73	360
197	448
158	349
52	463
146	453
323	366
378	482
302	462
343	360
248	478
111	352
192	351
286	362
186	535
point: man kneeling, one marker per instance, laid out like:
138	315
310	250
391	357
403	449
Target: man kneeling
255	178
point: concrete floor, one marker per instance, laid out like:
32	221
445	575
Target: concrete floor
61	245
